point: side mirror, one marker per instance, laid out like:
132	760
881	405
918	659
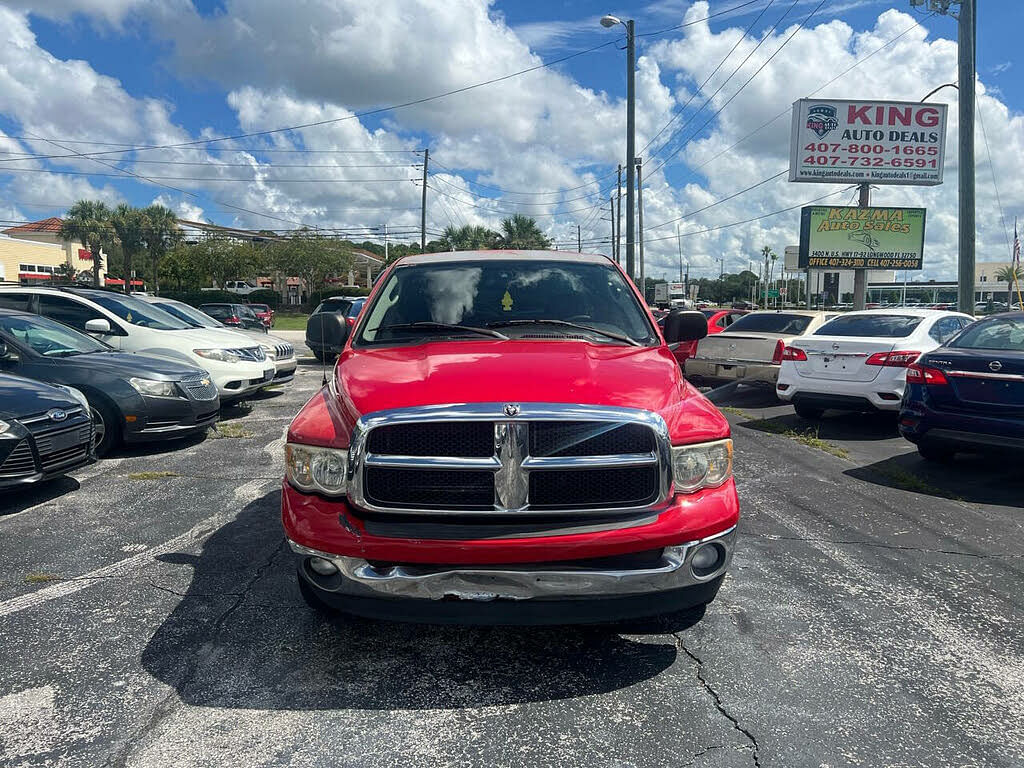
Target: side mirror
97	325
685	325
329	329
3	350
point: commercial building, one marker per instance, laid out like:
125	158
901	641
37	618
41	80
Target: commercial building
33	253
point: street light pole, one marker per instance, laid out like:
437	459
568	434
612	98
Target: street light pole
965	74
607	22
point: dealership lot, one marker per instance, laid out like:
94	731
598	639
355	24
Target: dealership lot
873	616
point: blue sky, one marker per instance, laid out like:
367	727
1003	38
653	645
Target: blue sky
181	70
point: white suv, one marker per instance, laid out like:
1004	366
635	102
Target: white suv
238	367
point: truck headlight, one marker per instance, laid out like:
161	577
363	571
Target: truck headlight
154	388
315	469
702	465
221	355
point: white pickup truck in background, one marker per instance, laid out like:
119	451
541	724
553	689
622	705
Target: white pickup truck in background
240	287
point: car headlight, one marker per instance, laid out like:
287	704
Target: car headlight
4	427
702	465
154	388
311	468
222	355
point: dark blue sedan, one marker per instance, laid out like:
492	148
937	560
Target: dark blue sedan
969	394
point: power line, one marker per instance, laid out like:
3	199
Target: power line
720	200
697	21
992	170
746	82
700	88
198	178
601	192
512	212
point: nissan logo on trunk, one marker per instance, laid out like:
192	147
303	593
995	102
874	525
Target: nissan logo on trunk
995	365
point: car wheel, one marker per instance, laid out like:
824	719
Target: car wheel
106	427
940	454
808	412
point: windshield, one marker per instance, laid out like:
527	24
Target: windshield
48	337
136	311
189	314
891	326
770	322
508	295
709	313
1003	333
333	305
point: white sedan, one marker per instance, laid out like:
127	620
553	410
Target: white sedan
858	361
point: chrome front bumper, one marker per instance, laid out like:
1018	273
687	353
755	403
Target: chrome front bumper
358	578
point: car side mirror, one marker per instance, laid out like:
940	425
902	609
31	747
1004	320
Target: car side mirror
97	325
330	330
685	325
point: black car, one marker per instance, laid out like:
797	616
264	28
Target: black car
337	306
132	397
45	431
235	316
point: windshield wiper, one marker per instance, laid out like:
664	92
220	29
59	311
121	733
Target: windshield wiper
431	325
567	324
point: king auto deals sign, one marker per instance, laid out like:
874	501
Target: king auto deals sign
877	142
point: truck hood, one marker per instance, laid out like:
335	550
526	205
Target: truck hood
515	371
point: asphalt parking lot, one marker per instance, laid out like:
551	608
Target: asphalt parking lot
874	616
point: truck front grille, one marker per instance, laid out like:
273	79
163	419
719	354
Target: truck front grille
543	460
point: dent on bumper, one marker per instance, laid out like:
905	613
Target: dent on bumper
358	578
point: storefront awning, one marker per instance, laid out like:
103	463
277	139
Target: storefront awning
119	281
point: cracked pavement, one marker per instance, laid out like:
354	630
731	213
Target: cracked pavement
873	617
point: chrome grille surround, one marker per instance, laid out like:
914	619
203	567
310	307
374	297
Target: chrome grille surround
284	351
511	462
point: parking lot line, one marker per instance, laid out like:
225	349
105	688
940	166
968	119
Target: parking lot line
244	494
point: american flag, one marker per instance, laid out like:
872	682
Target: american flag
1016	245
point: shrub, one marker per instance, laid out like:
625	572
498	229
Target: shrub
267	296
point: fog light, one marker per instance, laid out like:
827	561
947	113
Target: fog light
322	566
707	559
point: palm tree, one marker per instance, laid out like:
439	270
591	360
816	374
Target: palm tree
469	238
88	222
162	233
1011	275
129	224
522	233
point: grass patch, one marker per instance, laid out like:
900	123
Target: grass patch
897	477
153	475
289	322
735	411
807	436
235	431
39	577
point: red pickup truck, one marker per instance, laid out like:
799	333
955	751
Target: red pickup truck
506	438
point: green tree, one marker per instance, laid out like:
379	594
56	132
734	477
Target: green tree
162	233
129	225
1012	276
469	238
88	222
181	266
521	232
311	257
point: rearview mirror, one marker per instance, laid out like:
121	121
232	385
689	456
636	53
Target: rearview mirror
97	325
685	325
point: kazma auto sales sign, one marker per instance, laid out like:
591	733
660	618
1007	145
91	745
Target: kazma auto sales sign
845	237
877	142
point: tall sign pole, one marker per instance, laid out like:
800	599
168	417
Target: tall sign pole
423	207
860	276
630	147
966	51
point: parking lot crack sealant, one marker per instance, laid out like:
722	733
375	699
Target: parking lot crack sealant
755	749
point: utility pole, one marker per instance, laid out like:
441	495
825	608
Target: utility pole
579	240
611	213
860	276
608	22
385	243
640	222
966	61
618	219
679	242
423	205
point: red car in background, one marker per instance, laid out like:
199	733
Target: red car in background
718	321
264	313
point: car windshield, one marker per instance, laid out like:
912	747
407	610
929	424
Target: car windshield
48	337
218	311
333	305
770	322
137	312
259	307
189	314
891	326
1003	333
709	313
514	297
